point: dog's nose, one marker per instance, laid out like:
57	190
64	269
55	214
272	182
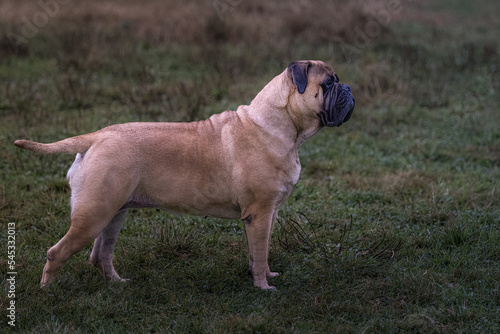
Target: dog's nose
346	87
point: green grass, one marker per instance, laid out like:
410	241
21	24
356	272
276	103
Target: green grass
394	226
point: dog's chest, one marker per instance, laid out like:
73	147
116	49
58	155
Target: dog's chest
295	168
289	174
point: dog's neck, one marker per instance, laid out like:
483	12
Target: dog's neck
274	98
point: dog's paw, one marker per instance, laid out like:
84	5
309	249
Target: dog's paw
271	274
124	280
268	288
118	279
264	286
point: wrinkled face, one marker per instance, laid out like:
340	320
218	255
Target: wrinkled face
320	89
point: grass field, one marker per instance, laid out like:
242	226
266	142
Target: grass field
394	226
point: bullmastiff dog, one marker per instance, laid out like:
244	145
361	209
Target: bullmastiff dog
239	164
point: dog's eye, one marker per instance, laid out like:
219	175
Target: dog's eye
327	84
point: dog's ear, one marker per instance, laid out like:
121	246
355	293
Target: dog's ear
299	69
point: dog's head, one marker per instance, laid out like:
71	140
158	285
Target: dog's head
318	92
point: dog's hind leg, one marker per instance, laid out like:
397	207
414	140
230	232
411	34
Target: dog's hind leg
89	218
102	253
77	238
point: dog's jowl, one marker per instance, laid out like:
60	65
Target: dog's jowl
239	164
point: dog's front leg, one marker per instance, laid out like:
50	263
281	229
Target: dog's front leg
258	226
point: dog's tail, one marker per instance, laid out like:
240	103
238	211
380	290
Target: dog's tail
79	144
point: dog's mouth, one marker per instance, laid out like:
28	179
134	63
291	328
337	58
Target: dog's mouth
338	105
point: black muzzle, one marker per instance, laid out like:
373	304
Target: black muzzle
338	105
